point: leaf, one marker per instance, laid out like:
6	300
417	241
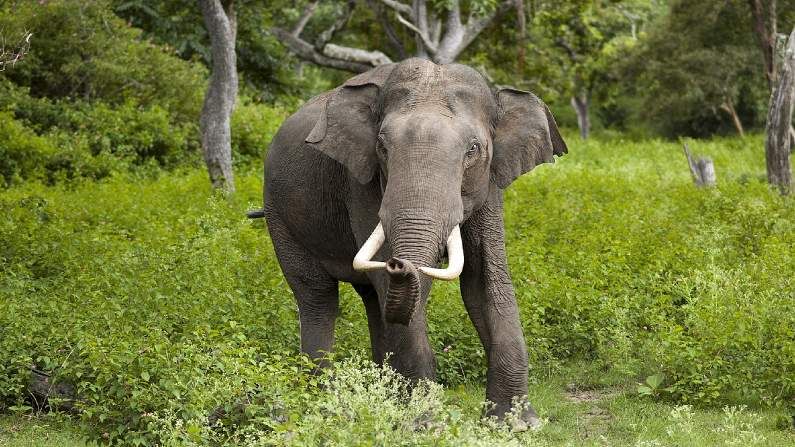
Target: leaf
644	390
655	380
145	376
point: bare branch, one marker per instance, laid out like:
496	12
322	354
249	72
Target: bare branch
307	52
561	42
374	58
436	31
309	11
400	7
475	26
389	30
16	53
426	41
458	36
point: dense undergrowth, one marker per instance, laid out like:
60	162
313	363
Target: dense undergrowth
162	304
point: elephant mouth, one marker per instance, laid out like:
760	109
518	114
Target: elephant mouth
363	262
404	279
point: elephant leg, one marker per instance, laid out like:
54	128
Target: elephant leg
375	322
316	292
490	301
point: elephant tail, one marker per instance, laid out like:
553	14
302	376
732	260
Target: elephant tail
255	214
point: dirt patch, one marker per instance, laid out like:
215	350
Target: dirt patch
579	395
594	420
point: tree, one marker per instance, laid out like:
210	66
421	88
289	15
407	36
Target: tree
583	38
440	34
219	101
695	70
263	66
764	25
779	117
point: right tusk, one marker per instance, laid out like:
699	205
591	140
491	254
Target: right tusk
362	262
455	262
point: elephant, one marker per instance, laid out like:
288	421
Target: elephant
407	164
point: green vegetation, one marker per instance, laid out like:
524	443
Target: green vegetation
94	98
161	302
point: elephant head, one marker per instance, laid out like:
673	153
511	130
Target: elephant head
436	138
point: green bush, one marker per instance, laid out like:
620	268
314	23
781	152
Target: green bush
22	152
132	132
105	99
82	51
253	127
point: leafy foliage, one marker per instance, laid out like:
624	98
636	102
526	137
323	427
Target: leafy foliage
81	50
699	59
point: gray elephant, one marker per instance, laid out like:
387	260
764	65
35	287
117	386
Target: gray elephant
406	163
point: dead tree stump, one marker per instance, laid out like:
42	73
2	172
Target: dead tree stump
46	393
702	169
779	119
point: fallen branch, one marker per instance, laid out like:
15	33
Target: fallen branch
339	57
16	53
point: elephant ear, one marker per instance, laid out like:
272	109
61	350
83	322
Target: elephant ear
348	128
526	136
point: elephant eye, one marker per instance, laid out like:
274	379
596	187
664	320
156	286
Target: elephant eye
474	147
381	147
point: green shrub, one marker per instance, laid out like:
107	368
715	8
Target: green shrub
253	127
358	403
132	132
81	50
22	152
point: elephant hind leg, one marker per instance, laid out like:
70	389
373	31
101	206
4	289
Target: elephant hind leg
375	321
316	292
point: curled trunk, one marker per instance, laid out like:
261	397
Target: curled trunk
404	291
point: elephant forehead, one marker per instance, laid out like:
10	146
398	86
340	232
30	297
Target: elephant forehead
414	83
419	83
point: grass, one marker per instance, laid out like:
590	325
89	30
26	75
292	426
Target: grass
39	431
580	413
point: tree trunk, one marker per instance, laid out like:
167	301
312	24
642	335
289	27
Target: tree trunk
219	101
728	107
702	169
765	31
779	119
521	24
580	105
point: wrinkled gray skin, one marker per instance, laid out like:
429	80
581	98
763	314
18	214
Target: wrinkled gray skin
420	147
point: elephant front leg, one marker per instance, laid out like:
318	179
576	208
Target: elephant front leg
490	301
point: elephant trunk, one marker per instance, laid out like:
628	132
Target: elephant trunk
404	291
417	240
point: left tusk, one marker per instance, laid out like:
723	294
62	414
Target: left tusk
455	264
363	261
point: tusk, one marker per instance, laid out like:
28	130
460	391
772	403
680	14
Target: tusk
455	264
362	262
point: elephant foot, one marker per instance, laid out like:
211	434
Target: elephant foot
527	420
518	415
